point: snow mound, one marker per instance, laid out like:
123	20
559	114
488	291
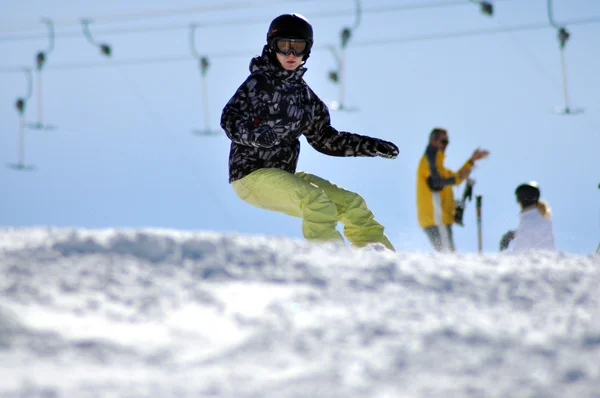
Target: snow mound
164	313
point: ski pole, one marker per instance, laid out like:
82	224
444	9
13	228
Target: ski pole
479	235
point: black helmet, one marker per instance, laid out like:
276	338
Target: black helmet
290	26
528	194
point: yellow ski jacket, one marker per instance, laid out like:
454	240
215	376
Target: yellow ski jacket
435	199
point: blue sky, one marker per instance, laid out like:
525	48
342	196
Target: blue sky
123	153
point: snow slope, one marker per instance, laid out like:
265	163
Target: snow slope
164	313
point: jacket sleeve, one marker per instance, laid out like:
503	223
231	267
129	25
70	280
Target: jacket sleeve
326	139
238	117
468	164
441	177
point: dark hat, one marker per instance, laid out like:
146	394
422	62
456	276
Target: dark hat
290	26
528	193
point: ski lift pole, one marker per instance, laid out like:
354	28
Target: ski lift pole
337	76
563	37
598	249
346	33
21	146
21	105
478	199
204	64
203	68
40	61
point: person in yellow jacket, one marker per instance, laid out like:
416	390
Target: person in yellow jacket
435	198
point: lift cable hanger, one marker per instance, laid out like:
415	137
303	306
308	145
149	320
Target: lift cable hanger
40	61
203	64
486	7
563	36
105	49
337	76
21	105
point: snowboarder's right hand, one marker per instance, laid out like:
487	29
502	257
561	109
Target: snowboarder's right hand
264	137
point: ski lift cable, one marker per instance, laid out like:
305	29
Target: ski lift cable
248	21
156	119
152	14
364	43
534	61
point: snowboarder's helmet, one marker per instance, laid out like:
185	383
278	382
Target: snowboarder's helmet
528	193
290	26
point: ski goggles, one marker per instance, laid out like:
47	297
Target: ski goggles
298	47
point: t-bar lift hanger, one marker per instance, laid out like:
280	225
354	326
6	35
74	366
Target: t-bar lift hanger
40	61
337	75
203	63
105	49
563	36
21	105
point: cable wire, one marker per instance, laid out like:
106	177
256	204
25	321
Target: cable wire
243	21
363	43
152	14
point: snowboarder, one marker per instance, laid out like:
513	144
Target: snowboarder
264	121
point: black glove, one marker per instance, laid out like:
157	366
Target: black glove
435	187
386	149
264	137
506	239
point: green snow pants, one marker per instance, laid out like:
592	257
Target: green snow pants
320	204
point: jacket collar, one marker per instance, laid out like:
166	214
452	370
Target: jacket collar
431	150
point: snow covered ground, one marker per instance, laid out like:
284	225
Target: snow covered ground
161	313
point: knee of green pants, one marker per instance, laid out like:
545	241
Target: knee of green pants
280	191
319	217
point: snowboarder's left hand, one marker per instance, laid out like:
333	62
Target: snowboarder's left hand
386	149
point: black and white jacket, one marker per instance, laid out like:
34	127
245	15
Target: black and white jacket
282	100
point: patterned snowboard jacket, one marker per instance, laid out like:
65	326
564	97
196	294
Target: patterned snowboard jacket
282	100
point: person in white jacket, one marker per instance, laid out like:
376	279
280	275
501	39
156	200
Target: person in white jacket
535	226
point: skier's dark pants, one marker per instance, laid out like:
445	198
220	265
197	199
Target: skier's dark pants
440	237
